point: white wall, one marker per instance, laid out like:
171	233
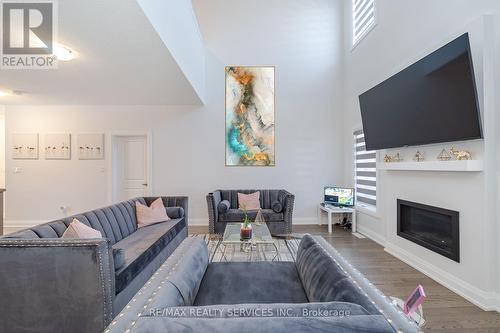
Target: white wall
176	24
189	141
405	32
2	146
496	235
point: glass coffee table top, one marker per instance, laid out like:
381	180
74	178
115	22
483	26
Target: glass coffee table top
260	247
260	234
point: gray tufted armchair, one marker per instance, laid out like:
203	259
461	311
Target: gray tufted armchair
276	206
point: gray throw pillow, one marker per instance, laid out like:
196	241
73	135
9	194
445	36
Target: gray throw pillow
223	206
175	212
118	258
277	206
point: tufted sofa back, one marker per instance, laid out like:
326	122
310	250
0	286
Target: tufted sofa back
266	197
324	280
115	222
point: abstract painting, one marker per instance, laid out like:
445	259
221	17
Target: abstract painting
250	116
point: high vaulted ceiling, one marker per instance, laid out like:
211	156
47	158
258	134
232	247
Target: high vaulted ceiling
122	61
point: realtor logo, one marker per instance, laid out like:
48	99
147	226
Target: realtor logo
28	32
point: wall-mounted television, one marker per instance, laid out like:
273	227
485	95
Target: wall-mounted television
433	100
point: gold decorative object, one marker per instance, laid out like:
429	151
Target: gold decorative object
460	154
259	219
397	158
444	156
419	157
387	158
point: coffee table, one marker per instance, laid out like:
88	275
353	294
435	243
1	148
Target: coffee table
261	238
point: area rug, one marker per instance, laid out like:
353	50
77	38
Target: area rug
282	250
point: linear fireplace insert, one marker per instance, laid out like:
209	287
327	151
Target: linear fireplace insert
434	228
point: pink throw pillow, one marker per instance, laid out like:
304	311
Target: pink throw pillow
150	215
249	201
77	229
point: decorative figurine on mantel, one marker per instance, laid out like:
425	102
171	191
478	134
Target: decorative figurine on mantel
387	158
418	157
444	156
460	154
259	219
397	158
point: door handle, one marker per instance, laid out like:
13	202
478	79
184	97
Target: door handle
145	184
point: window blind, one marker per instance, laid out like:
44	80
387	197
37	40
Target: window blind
363	18
365	172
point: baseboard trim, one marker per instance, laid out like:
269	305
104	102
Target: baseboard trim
10	226
198	221
374	236
488	301
305	220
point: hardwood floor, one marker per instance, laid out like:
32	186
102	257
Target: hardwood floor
444	310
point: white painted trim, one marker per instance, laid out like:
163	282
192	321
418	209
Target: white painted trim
198	221
374	236
110	136
488	301
22	223
10	226
304	220
451	166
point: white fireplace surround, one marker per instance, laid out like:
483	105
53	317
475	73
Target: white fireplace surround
469	187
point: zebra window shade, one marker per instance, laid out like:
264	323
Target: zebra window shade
363	18
365	172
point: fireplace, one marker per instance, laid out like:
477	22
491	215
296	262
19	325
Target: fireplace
431	227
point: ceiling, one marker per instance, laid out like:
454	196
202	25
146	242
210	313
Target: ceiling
122	61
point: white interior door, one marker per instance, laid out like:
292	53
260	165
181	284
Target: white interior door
130	167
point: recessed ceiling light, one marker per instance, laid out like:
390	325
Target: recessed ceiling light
64	53
4	93
7	93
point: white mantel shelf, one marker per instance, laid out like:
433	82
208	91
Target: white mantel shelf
454	166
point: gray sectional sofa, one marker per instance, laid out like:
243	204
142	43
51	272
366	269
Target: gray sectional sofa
49	284
277	210
319	292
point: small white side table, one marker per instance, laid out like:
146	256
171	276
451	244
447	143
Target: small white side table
336	210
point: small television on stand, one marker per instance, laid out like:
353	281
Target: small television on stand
339	196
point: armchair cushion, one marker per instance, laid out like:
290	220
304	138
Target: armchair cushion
277	206
224	206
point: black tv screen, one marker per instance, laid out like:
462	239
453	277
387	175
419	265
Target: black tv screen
434	100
